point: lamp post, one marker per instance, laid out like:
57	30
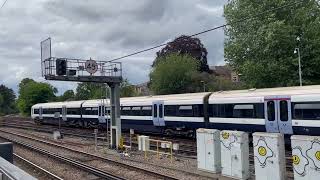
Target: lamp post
204	86
297	50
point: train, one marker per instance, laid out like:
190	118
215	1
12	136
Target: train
287	110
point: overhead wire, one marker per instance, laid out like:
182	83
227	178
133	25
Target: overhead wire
4	3
212	29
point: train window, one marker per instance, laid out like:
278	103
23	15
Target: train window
160	111
155	112
237	110
170	110
45	111
126	111
146	111
185	111
94	111
73	111
243	111
271	111
36	111
135	111
259	110
307	111
283	110
196	110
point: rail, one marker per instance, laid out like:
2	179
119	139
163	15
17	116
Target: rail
153	173
9	171
48	173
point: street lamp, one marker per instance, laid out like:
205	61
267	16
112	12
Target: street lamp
204	86
297	50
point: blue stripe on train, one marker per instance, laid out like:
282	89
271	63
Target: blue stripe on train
147	126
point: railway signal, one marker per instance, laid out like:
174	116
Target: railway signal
61	67
80	70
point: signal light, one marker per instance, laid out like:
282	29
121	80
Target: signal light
61	67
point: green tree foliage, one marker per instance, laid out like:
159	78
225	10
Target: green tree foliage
127	89
68	95
186	45
87	90
173	74
7	100
261	49
32	92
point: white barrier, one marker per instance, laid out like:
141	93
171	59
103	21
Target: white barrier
306	157
208	150
143	143
269	156
235	154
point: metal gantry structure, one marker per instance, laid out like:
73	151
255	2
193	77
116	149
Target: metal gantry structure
81	70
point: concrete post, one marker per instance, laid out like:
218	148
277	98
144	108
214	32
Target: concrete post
115	115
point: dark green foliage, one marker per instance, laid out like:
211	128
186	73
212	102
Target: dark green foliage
7	100
186	45
68	95
87	91
32	92
261	49
173	74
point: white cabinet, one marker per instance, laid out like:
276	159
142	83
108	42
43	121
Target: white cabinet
306	157
143	143
269	156
208	150
235	154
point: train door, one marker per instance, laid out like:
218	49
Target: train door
101	114
64	113
40	113
278	114
158	113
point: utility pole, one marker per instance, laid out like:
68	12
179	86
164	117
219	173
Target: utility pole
297	50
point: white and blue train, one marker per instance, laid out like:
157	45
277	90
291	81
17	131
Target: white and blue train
289	110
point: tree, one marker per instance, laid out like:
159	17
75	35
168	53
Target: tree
7	100
89	90
32	92
261	49
185	45
173	74
127	89
68	95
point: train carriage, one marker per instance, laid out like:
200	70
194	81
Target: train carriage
289	110
169	114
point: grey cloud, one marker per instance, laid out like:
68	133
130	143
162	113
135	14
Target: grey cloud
102	30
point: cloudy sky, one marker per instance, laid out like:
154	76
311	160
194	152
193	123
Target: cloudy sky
102	30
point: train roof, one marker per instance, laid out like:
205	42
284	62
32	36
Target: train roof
190	98
297	93
96	102
69	104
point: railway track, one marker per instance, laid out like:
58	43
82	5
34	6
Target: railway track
66	160
42	170
187	147
78	164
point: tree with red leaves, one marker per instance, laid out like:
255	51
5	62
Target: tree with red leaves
184	45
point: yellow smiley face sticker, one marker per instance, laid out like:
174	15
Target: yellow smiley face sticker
225	135
262	151
295	159
317	154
